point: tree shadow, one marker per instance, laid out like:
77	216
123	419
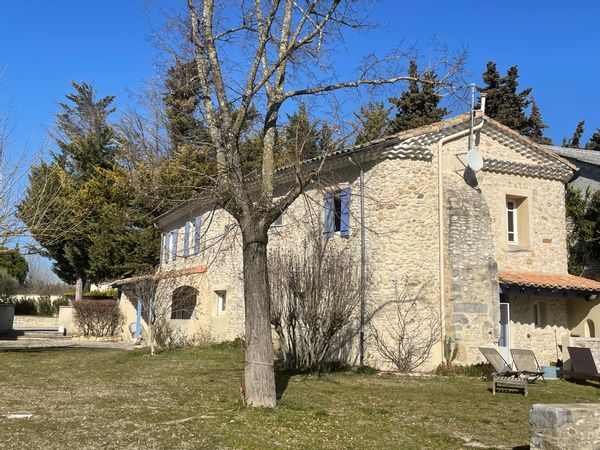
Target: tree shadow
282	379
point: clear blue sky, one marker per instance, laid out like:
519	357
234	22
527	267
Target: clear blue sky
44	44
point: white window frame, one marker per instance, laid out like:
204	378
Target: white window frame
515	224
221	302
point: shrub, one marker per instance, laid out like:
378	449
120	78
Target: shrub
26	307
8	285
44	306
480	370
98	317
56	304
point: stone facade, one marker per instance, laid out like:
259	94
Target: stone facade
570	426
402	226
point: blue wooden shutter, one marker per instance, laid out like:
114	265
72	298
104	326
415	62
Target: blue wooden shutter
197	230
174	244
345	213
186	240
164	247
329	215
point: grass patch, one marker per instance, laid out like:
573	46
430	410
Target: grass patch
189	398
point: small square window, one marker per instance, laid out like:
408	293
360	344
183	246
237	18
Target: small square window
221	302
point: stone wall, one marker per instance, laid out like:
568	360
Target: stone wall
35	322
544	340
570	426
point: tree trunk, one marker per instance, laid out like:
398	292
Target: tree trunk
79	289
259	372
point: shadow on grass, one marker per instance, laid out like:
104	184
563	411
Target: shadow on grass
47	349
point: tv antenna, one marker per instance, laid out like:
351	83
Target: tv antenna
474	159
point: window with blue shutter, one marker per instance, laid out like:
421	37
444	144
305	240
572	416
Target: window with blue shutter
164	247
329	225
186	240
174	235
345	212
337	213
197	230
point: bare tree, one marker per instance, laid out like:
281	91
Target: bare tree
256	58
410	331
315	293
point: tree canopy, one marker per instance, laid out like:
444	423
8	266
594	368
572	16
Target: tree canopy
15	264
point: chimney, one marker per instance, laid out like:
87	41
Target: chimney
482	103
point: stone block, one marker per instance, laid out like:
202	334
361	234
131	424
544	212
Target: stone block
568	426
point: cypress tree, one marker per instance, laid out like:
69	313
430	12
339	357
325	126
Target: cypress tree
373	120
575	140
419	104
594	142
504	103
537	126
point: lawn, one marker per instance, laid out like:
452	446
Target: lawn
190	399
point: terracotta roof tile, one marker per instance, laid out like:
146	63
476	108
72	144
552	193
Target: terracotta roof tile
549	281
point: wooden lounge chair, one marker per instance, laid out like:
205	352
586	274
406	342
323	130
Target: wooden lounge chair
526	363
504	376
583	366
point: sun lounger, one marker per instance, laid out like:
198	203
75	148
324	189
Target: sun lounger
526	363
583	366
504	376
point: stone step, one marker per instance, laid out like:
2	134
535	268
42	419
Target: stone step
34	334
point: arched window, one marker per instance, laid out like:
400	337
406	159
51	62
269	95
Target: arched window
184	302
590	328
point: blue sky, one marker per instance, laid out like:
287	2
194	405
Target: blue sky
44	44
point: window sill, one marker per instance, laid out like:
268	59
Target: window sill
517	248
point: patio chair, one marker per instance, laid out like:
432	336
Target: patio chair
583	366
526	363
504	376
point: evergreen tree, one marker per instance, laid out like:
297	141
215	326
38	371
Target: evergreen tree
373	121
575	140
419	104
504	103
15	265
594	142
537	126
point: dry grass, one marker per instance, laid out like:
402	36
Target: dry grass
190	399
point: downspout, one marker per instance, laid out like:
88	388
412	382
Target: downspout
361	343
441	230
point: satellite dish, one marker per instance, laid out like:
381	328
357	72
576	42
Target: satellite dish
474	160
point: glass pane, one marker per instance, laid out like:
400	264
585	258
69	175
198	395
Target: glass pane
511	221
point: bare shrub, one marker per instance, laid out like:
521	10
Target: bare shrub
314	294
98	317
409	332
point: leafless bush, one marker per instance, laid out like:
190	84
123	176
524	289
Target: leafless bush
98	317
409	332
314	294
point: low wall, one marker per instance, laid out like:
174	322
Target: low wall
569	426
592	343
66	320
7	314
35	322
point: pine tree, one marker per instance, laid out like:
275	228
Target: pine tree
537	126
374	122
15	265
594	142
419	104
575	140
504	103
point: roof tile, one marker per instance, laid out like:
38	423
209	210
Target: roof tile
549	281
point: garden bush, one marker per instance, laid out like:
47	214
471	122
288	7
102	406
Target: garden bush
480	370
44	306
98	317
56	304
26	307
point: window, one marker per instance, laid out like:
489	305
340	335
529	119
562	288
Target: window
221	302
590	328
511	221
186	239
183	302
337	213
174	235
165	247
517	222
539	314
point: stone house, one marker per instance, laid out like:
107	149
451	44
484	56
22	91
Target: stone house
587	163
486	250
